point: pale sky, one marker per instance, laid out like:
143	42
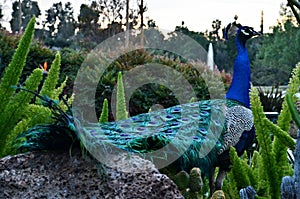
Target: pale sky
197	14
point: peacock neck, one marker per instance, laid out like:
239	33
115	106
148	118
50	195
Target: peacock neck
240	86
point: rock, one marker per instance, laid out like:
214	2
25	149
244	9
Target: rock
61	175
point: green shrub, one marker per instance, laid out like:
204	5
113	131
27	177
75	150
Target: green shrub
265	170
19	113
8	44
150	94
271	99
8	99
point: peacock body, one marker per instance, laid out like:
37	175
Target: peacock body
189	131
197	134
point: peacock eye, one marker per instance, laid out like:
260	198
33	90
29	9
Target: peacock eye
245	32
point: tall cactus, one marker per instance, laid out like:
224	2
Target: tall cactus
18	113
121	112
13	71
290	187
10	112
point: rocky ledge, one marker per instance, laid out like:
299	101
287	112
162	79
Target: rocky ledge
61	175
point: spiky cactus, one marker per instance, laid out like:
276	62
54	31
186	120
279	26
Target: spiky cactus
290	186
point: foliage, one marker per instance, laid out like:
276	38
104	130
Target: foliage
71	60
148	94
14	70
103	19
1	16
19	112
59	25
197	36
271	99
121	113
29	9
277	55
8	43
241	175
267	167
11	77
89	29
191	184
104	113
291	185
35	112
48	88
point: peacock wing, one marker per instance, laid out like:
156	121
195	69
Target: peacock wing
198	126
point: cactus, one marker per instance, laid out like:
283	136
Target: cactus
12	74
104	114
287	187
218	195
270	163
18	113
191	184
247	193
182	180
196	182
121	113
290	186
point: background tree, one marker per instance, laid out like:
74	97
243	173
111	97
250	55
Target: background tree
88	19
278	52
1	17
29	9
277	56
216	25
67	25
88	25
59	26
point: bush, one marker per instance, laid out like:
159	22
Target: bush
149	94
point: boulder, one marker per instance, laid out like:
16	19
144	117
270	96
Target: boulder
63	175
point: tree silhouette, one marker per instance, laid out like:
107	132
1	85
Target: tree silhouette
29	9
59	26
216	25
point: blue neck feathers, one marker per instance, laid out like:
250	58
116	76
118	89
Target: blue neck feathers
240	86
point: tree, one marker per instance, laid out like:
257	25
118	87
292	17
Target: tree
111	10
59	25
88	19
1	16
216	25
28	10
278	55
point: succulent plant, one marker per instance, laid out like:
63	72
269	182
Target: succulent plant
219	194
191	184
247	193
290	186
196	182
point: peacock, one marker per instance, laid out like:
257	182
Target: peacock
196	134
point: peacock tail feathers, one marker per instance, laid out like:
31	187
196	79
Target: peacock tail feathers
47	137
189	131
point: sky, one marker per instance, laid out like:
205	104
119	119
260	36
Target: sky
196	14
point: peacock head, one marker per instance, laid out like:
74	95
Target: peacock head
243	33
